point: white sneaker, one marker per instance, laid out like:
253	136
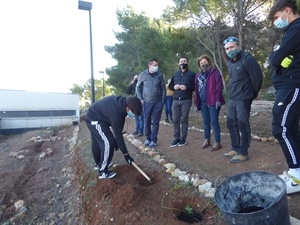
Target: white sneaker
292	184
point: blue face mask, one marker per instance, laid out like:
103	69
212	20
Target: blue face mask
233	53
280	23
154	69
130	114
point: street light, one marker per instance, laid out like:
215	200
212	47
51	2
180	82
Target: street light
103	90
87	6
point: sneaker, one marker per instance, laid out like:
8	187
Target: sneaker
167	120
109	165
152	144
97	167
182	142
147	143
239	158
175	143
135	132
292	184
140	134
230	154
108	174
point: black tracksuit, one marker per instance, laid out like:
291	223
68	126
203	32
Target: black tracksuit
286	109
108	112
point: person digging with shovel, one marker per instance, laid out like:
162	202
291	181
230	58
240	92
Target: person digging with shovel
110	112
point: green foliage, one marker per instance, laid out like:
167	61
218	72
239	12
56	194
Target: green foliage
191	28
188	209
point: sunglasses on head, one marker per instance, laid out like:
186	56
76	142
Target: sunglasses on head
230	39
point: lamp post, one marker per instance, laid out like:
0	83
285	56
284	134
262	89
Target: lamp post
103	90
87	6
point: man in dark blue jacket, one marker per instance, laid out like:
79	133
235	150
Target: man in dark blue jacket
245	80
110	112
183	85
285	62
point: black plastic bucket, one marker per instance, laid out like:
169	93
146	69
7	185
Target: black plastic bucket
253	198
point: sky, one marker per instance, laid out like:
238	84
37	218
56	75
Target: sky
45	44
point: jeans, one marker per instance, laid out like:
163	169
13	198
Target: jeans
210	116
139	121
238	115
152	112
181	110
168	107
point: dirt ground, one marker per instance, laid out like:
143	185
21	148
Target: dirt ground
47	176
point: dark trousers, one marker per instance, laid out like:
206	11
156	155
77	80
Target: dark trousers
181	110
238	115
285	126
168	107
210	116
103	143
152	113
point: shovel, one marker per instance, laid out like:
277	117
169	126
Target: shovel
142	172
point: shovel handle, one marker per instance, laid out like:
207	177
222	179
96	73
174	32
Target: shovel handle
141	171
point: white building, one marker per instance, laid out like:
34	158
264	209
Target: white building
22	110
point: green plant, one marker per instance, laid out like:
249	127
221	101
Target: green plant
188	209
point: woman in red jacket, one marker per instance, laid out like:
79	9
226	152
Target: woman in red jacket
208	99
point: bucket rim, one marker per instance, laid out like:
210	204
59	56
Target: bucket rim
283	193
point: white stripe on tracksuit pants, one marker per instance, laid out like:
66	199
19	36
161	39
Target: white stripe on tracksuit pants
102	149
286	114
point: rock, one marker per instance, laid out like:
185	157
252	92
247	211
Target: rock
168	165
162	161
197	182
256	138
157	158
19	204
177	172
184	178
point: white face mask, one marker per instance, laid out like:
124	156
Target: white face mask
154	69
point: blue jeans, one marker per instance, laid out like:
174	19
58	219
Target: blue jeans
238	116
210	116
139	121
152	112
168	107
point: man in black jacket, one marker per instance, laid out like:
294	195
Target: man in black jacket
110	112
285	62
183	85
245	80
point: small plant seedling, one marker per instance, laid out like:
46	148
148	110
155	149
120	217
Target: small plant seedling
188	209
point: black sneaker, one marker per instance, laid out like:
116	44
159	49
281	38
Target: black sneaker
108	174
140	134
175	143
135	132
167	120
182	142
